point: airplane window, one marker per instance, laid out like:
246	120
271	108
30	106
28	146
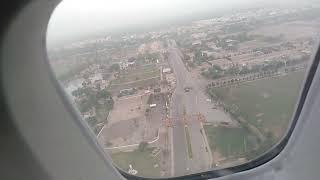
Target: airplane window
172	87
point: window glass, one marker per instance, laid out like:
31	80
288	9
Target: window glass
172	87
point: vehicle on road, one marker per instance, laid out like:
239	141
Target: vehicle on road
187	89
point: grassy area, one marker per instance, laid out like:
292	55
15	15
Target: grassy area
143	162
267	104
102	112
188	138
143	68
137	73
230	142
142	83
141	76
135	77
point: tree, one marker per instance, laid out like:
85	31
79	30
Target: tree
143	146
103	94
213	72
77	92
187	57
92	121
234	70
86	76
114	67
84	106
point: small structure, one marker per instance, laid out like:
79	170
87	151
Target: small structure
157	90
131	61
196	43
132	171
123	65
125	92
166	70
153	105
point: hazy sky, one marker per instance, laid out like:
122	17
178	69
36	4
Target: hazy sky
74	18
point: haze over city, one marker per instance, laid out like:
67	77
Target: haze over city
80	19
171	88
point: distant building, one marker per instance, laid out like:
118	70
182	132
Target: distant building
157	90
230	40
123	65
153	105
166	70
131	61
196	43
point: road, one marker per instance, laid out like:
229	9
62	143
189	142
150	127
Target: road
190	103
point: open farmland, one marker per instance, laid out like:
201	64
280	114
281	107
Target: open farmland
139	77
230	142
140	73
258	102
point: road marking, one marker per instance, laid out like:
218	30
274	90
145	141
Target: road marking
196	100
188	140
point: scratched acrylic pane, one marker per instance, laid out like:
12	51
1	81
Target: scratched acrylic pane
173	87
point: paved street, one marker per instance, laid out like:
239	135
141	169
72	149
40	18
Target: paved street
190	103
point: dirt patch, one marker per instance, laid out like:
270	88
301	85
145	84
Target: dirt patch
122	128
217	157
265	95
127	132
131	107
259	115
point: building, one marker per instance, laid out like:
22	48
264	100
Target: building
123	65
166	70
131	61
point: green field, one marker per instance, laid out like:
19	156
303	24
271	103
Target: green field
136	74
144	68
267	104
135	77
230	142
143	162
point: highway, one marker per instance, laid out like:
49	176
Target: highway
189	103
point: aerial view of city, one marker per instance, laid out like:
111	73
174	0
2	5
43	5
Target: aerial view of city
205	94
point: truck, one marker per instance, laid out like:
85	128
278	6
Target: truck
187	89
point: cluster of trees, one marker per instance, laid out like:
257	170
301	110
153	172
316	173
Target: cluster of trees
91	98
114	67
200	57
92	121
236	27
236	39
213	72
272	66
216	71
